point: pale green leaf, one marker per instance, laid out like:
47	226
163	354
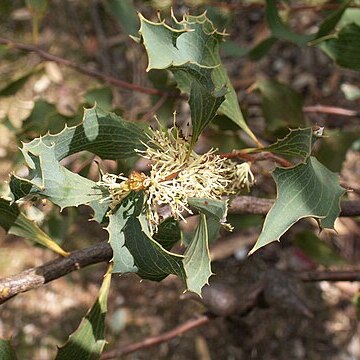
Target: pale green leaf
191	50
88	341
16	223
215	211
134	248
306	190
104	134
197	261
6	350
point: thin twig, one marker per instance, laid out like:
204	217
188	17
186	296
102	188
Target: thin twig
156	340
257	157
328	275
84	70
330	110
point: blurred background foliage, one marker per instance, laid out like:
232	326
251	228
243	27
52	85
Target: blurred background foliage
281	83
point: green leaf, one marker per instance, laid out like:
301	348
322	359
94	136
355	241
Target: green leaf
298	143
214	210
317	250
329	24
101	96
282	105
53	181
133	247
6	350
345	48
209	207
16	223
279	29
14	86
197	261
305	190
124	12
104	134
334	146
88	341
45	118
169	233
190	49
203	107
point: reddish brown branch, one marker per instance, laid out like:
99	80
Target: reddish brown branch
328	275
330	110
38	276
82	69
257	157
155	340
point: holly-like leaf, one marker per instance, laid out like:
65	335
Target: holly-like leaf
344	49
7	352
282	105
104	134
214	210
134	248
16	223
197	261
306	190
209	207
190	49
298	143
88	341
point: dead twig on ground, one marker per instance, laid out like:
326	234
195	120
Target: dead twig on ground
156	340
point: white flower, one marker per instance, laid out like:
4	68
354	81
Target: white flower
178	173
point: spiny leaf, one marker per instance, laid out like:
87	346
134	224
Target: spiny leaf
134	248
56	183
88	341
306	190
16	223
104	134
197	261
298	143
210	207
6	350
190	49
214	210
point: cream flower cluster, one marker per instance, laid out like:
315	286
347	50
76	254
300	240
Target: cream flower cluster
178	173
